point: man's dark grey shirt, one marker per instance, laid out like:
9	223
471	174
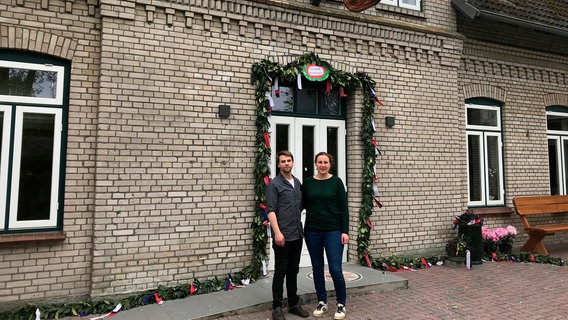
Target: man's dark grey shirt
286	202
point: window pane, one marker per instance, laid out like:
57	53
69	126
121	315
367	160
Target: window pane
473	154
307	101
1	132
332	148
553	167
282	143
409	2
308	151
28	83
565	162
285	100
557	123
36	167
493	168
331	104
481	117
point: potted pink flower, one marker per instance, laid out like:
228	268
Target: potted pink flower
498	239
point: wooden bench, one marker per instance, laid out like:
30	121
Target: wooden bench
525	206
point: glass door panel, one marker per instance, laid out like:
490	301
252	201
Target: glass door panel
5	117
35	168
564	159
555	171
475	168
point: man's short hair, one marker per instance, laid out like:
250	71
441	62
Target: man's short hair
285	153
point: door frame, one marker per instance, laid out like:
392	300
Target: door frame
295	125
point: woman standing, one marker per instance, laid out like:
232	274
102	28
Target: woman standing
326	228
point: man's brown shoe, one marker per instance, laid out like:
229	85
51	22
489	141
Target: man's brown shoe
299	311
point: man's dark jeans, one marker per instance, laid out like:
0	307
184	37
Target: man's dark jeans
286	265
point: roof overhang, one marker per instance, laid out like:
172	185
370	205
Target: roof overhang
473	13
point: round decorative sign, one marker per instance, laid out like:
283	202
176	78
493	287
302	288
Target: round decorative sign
349	276
314	72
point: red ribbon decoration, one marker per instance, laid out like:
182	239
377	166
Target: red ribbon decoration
263	211
342	92
158	300
379	204
378	101
424	263
406	268
266	182
192	289
533	258
369	224
328	86
367	259
266	139
391	269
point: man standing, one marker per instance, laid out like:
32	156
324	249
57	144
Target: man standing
284	207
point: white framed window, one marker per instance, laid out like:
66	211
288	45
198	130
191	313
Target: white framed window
484	155
557	134
408	4
32	115
22	82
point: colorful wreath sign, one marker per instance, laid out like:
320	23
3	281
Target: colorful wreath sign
314	72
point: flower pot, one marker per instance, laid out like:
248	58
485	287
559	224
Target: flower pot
472	234
454	261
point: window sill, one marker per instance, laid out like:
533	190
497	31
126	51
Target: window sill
491	211
32	237
399	10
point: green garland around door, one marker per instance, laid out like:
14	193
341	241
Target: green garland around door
265	74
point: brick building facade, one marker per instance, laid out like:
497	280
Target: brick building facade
158	189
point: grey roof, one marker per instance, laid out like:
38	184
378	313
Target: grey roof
545	15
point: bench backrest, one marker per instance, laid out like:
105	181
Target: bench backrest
541	204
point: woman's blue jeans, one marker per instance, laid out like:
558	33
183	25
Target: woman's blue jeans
317	241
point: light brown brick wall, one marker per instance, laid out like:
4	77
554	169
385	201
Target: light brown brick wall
47	270
184	177
159	190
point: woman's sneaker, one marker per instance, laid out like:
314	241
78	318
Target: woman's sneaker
340	313
320	309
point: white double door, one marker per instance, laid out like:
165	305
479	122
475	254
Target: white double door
305	137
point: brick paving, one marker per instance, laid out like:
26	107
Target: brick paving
493	290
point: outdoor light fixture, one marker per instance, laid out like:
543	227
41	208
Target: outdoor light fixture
224	111
389	121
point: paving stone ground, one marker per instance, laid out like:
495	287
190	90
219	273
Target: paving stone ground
493	290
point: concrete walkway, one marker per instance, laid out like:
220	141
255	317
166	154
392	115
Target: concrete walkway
258	296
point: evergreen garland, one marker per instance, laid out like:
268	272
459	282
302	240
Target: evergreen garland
263	73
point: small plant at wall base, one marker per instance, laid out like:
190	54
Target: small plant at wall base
457	246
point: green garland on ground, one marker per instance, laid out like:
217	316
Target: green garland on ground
102	306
